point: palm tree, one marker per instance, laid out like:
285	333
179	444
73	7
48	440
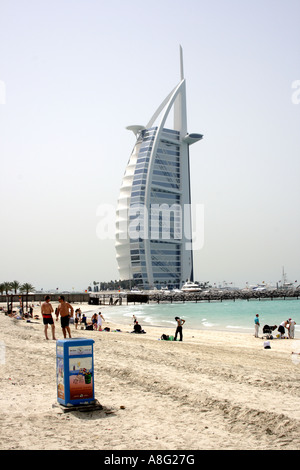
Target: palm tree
15	285
2	288
7	288
26	288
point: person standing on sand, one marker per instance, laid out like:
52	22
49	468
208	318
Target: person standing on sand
292	324
66	311
77	317
100	319
180	323
46	311
256	325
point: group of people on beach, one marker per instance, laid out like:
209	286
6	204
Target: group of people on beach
66	312
286	324
21	314
179	324
97	321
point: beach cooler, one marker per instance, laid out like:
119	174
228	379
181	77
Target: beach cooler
75	371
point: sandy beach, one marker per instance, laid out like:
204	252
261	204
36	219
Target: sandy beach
213	391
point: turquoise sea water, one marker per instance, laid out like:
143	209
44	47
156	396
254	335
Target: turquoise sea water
222	316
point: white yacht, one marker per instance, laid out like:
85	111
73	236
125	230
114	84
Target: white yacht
190	286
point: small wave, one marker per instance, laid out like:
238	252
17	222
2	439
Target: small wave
147	320
208	325
236	327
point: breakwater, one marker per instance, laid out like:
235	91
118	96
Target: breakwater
212	295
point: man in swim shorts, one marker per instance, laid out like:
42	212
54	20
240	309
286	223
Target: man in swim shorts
46	311
66	311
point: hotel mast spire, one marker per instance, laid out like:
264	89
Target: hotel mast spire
181	64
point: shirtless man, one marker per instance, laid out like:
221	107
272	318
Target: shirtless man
66	311
46	311
180	323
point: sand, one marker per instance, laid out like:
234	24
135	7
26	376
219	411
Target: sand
213	391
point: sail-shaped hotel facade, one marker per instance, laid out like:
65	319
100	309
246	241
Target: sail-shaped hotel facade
153	219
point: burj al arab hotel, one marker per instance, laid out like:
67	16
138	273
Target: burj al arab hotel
153	219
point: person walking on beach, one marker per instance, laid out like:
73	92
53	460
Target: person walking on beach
46	311
256	325
180	323
66	311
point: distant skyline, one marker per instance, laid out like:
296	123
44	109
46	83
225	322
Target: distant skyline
74	74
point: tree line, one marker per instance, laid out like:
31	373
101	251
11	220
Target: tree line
111	285
15	288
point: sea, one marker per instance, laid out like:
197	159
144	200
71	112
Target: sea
228	315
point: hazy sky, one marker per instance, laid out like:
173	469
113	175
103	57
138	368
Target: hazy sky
75	73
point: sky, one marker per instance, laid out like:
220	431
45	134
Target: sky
75	73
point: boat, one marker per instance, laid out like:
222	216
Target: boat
136	290
190	286
165	290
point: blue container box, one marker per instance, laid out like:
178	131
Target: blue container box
75	371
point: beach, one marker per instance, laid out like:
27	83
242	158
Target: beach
213	391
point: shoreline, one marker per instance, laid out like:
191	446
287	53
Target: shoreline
169	324
121	322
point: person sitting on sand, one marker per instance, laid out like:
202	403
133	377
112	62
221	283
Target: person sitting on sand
137	328
15	315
